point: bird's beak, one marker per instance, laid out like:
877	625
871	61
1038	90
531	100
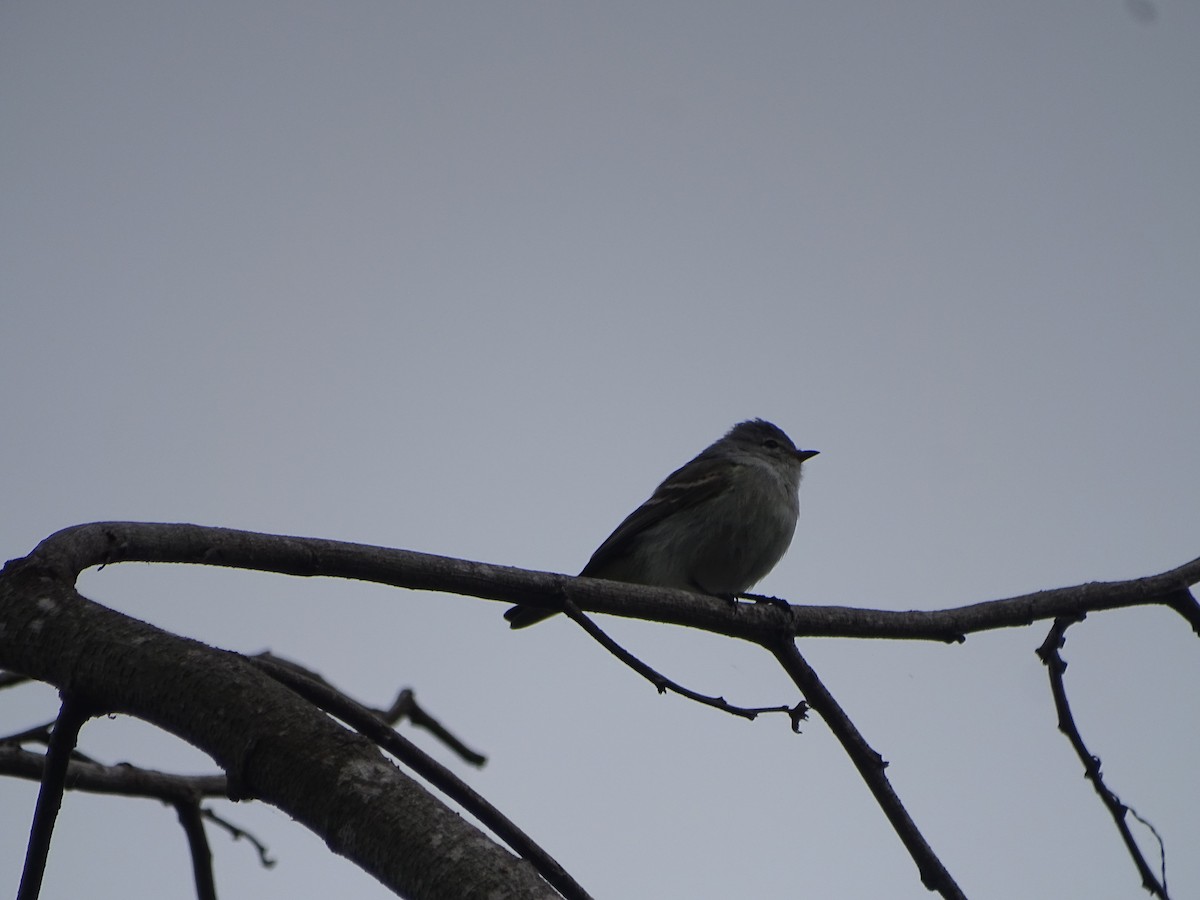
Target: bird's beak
802	455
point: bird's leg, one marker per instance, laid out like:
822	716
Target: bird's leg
731	599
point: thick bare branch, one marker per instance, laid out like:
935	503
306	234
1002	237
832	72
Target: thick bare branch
271	744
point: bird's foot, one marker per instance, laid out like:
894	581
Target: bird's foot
771	601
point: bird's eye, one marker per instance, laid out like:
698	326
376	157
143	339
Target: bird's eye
771	444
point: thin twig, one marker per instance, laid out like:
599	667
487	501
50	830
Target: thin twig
1056	666
870	765
37	734
405	706
71	716
660	681
264	855
12	679
120	780
133	781
1162	847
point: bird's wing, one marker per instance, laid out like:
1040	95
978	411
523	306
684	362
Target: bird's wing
696	482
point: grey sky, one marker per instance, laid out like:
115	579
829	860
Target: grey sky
472	278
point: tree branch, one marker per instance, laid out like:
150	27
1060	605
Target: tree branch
661	682
193	827
130	781
403	707
238	834
61	557
272	744
368	723
870	765
71	717
125	781
1056	666
70	551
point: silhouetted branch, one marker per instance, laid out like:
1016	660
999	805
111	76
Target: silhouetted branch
74	549
264	856
133	781
661	682
193	827
869	764
271	744
71	716
1056	666
772	625
405	706
126	781
369	724
36	734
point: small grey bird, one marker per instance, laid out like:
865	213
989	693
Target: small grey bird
716	526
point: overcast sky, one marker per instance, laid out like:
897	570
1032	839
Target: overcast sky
471	278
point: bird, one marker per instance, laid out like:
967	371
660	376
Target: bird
716	525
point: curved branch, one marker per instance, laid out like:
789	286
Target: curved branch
238	834
61	557
661	682
70	551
